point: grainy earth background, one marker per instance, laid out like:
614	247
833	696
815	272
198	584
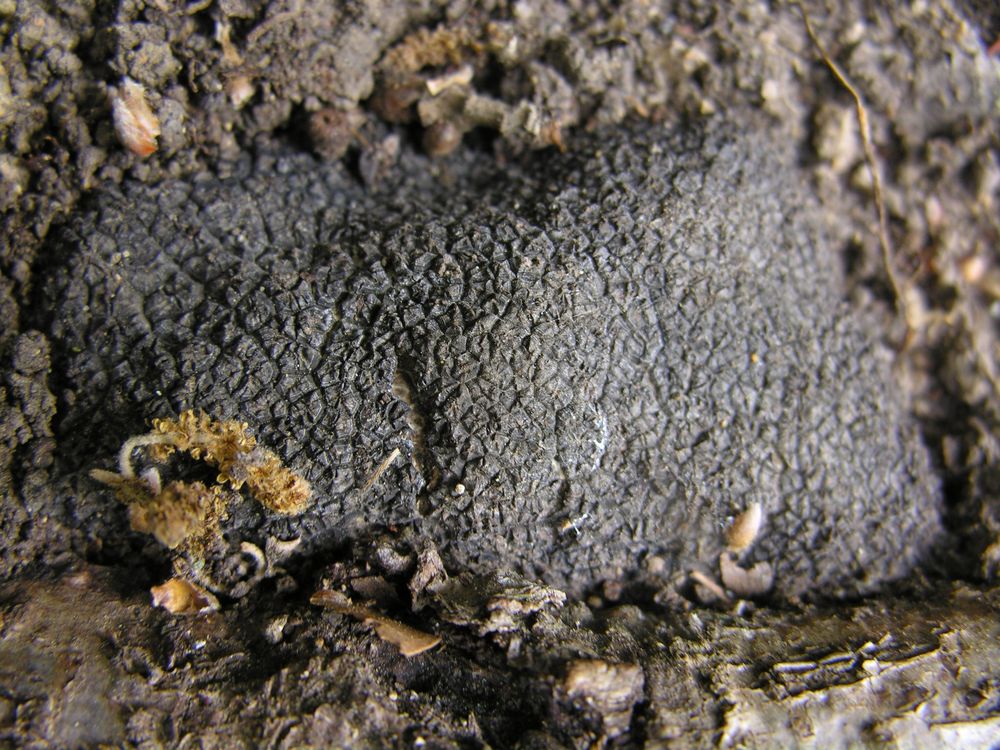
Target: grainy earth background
370	142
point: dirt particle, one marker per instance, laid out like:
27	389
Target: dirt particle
332	131
441	138
240	90
394	102
377	161
275	630
429	576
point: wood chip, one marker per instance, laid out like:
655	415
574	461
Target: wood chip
460	77
409	641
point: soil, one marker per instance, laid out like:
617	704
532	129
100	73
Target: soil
699	176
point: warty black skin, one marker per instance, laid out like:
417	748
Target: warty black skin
584	359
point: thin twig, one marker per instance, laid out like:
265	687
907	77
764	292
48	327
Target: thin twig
873	168
387	461
709	583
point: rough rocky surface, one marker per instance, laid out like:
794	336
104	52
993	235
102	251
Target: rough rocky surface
585	359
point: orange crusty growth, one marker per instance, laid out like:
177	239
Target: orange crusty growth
179	511
228	446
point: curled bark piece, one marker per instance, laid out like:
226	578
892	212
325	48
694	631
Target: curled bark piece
743	582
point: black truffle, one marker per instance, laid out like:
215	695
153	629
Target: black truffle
584	358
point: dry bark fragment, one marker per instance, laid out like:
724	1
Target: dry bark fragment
409	641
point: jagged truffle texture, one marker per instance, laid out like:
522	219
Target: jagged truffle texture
604	354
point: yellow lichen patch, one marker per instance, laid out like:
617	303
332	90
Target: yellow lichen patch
213	441
127	489
173	514
227	446
183	511
278	488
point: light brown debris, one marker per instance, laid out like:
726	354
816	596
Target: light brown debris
409	641
180	597
743	582
135	124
